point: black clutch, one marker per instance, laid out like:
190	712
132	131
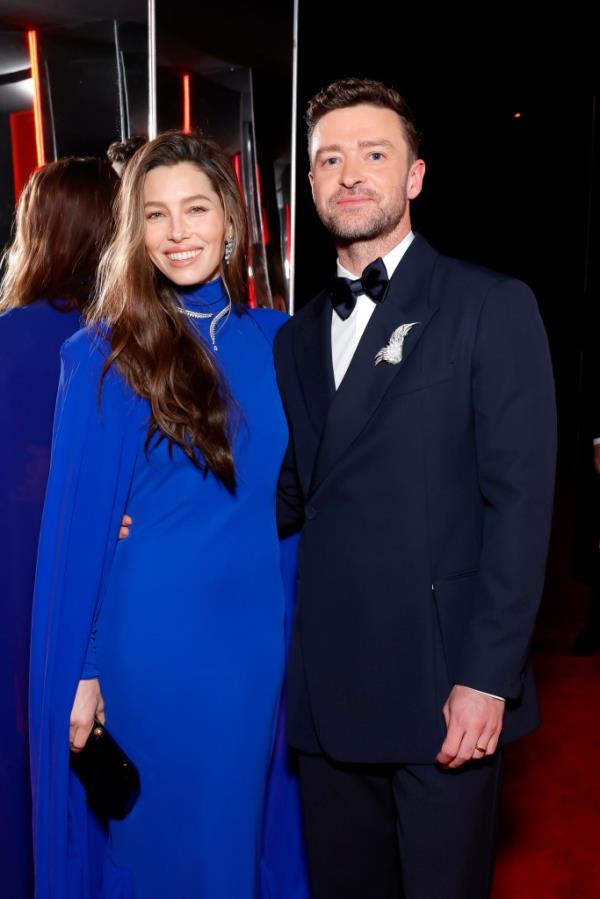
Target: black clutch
111	780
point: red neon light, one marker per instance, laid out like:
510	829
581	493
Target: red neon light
258	186
263	219
186	104
24	159
251	291
37	97
237	167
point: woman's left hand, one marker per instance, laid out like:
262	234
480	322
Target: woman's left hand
88	706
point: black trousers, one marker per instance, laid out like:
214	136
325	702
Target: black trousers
408	832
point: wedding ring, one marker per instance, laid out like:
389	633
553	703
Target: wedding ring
480	749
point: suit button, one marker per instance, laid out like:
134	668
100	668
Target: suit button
310	512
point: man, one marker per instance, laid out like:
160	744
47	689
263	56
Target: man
421	468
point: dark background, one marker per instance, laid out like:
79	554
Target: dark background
518	195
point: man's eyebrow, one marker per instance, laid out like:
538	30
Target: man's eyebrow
363	144
375	143
184	200
330	148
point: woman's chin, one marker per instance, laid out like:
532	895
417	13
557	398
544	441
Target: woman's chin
186	277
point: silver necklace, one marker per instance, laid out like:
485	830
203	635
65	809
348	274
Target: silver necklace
197	314
223	314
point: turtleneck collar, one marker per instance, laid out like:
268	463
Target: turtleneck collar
211	293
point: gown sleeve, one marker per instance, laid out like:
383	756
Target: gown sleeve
92	462
90	665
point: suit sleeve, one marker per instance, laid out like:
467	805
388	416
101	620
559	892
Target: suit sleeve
515	432
290	499
290	503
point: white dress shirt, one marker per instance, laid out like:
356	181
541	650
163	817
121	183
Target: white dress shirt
346	333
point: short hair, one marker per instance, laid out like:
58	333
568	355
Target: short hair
349	92
121	151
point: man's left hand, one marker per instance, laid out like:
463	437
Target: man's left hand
474	722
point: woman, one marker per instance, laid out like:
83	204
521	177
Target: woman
178	631
63	220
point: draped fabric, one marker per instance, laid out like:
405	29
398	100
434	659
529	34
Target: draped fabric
284	873
30	340
91	469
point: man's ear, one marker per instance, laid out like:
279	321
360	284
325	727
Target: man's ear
414	182
311	179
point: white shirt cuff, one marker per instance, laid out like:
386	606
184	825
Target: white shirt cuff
596	441
493	695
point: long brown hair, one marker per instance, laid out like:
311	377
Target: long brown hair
63	222
152	344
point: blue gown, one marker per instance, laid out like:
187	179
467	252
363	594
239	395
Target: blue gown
30	341
187	621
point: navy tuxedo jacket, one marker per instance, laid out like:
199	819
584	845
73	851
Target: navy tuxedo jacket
424	492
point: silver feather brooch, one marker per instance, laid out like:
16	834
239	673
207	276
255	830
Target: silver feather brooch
392	353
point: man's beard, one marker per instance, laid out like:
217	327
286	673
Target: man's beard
378	223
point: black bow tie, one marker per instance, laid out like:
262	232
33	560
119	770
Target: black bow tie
345	292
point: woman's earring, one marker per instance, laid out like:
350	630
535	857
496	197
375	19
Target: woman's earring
228	250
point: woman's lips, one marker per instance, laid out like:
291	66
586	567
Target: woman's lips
181	258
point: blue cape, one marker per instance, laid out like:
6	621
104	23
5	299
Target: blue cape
90	472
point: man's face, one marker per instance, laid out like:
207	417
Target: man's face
361	174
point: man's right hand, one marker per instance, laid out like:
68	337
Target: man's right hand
473	721
125	525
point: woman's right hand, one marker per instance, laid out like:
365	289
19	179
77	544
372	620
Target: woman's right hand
87	707
125	525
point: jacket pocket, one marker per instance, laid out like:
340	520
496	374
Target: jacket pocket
456	576
421	380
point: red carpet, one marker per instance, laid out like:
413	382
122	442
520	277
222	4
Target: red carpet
549	842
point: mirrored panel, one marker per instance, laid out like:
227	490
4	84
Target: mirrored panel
93	86
71	82
17	132
232	78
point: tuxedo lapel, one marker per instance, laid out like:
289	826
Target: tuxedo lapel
312	352
365	383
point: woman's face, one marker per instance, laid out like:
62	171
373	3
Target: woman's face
185	224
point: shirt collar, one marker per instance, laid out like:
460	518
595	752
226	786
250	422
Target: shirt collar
391	260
